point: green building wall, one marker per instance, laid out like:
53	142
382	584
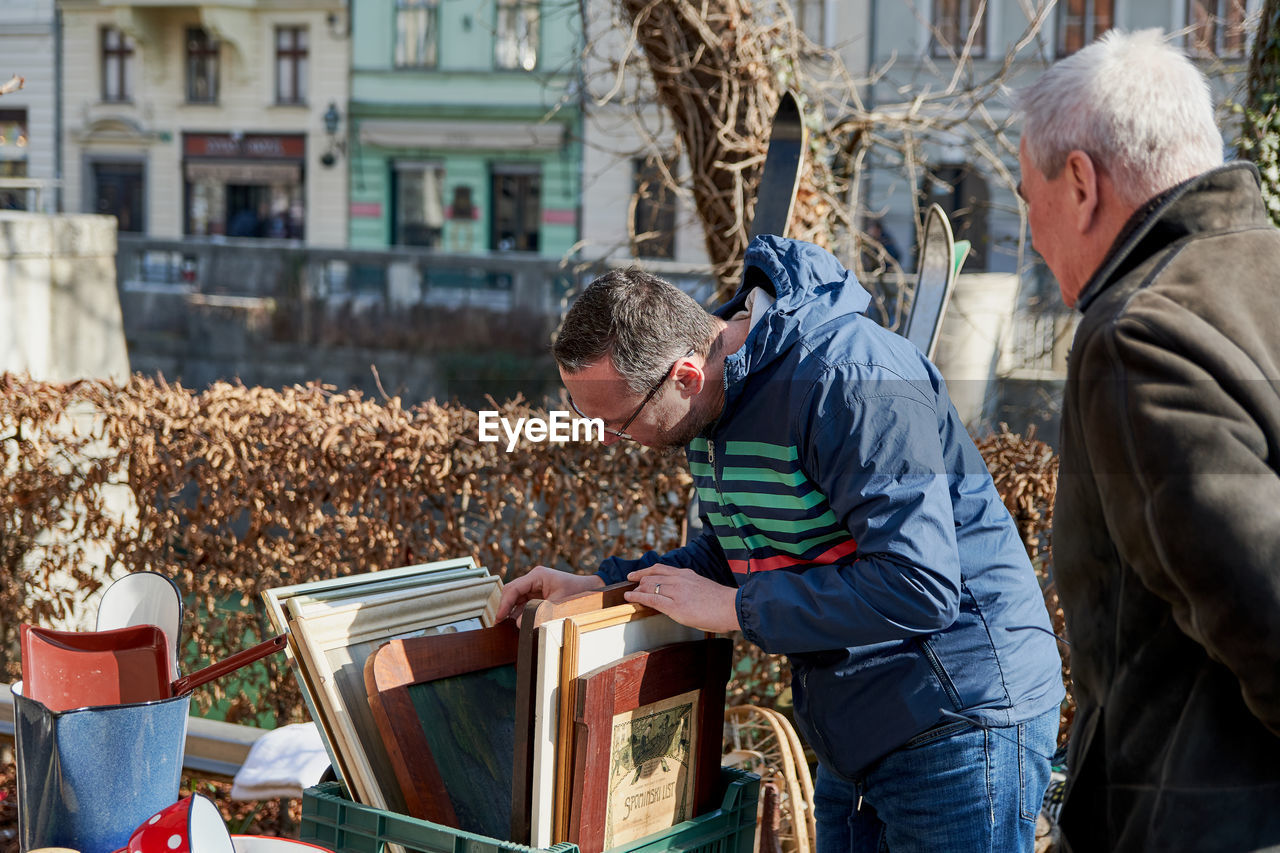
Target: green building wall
465	87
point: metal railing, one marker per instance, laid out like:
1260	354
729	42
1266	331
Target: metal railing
39	194
396	278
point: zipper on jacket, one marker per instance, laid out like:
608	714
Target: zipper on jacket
715	482
939	673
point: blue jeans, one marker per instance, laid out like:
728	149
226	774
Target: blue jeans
956	788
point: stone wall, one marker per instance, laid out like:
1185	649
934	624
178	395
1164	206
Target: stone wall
60	316
60	320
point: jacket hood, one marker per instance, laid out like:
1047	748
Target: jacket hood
799	276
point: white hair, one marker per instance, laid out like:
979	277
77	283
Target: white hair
1135	104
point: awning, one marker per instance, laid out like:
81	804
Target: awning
496	135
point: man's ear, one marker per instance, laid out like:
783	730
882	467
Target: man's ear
1082	181
689	375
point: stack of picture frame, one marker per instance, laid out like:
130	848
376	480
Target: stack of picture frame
596	721
561	645
335	625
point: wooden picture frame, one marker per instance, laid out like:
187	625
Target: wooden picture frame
335	639
347	588
591	641
446	707
535	614
616	632
352	586
647	734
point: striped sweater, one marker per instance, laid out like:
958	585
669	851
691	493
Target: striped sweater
779	510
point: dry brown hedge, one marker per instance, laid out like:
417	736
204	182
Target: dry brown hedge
241	489
238	489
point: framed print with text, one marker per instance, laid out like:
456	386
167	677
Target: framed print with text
647	733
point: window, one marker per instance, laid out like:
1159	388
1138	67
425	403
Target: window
962	192
291	65
517	207
13	133
117	65
653	211
12	197
120	190
417	25
13	159
516	46
811	19
1082	21
418	190
1216	28
202	67
952	22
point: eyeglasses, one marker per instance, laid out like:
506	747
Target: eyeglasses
621	432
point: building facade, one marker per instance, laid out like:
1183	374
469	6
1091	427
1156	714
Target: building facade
28	116
628	209
911	48
208	120
466	125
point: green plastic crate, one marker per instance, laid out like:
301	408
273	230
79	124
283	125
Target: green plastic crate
331	820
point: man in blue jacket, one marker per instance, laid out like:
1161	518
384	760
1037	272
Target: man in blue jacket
849	523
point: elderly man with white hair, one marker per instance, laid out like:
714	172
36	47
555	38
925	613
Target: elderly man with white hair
1167	522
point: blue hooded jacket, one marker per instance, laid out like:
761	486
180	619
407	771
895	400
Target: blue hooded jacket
843	497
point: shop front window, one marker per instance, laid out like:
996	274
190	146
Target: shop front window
202	67
206	207
117	65
517	208
255	210
13	133
271	211
418	189
516	45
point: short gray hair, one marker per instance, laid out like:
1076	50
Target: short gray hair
1131	101
636	319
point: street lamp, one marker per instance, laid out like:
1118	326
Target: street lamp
332	118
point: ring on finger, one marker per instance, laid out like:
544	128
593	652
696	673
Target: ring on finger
657	590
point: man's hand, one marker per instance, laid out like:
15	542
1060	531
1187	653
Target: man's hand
543	583
686	597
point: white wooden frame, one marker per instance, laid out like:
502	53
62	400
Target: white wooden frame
334	646
615	632
335	625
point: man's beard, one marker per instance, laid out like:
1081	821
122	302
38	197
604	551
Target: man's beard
690	426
